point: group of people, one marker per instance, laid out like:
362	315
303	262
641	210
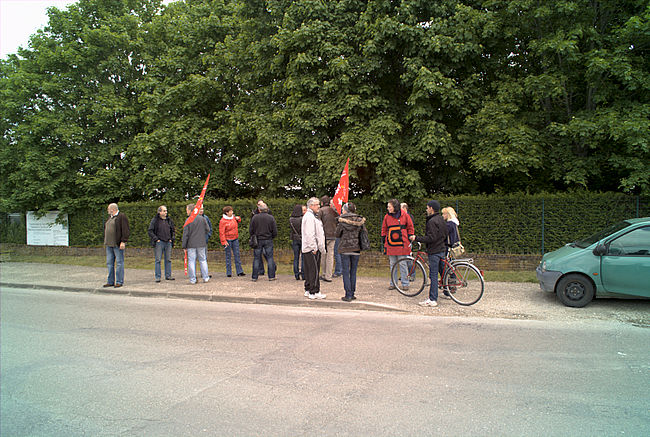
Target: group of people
322	240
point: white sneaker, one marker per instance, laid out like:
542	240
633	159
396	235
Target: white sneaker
206	280
306	293
429	303
318	295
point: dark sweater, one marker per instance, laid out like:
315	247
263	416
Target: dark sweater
162	230
263	225
436	234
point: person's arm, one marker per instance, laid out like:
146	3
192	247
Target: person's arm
152	231
222	232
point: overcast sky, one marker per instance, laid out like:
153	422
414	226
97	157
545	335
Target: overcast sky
19	19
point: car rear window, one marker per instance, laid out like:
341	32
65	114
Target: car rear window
583	244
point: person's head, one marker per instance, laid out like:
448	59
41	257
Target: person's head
404	206
325	200
350	208
297	210
433	206
304	209
201	210
448	213
189	208
112	209
392	206
262	207
228	211
260	203
314	204
162	211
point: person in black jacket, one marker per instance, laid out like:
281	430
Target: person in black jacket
263	226
295	223
348	229
116	234
435	238
161	232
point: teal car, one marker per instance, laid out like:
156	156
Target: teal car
612	263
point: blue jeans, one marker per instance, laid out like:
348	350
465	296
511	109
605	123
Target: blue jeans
233	246
264	247
349	263
192	254
298	259
337	258
115	264
434	267
402	267
163	248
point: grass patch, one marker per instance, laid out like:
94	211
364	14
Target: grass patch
147	263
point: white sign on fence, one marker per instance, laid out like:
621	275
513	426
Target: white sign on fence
45	231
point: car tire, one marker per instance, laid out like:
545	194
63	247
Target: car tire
575	290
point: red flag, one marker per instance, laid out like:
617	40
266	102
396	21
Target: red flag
342	190
194	213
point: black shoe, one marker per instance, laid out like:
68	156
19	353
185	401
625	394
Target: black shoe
354	297
157	280
297	278
117	285
326	280
170	279
241	274
347	299
230	276
108	285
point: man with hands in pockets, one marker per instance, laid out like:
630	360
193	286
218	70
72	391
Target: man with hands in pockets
313	246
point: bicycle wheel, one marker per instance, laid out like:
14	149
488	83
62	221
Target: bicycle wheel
416	276
464	283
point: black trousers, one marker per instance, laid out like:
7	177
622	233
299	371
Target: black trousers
311	270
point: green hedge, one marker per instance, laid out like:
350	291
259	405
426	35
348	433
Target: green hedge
489	224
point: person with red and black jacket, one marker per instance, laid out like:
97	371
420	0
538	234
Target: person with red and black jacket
396	229
435	237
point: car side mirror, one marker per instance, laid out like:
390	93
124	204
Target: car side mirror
600	250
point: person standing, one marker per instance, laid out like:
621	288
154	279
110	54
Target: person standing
116	234
161	232
207	219
347	231
229	237
328	217
313	245
435	238
396	229
264	227
195	241
254	212
295	223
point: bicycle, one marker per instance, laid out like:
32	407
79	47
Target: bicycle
461	280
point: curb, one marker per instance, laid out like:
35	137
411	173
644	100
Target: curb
368	306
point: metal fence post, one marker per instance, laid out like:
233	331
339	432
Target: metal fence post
542	226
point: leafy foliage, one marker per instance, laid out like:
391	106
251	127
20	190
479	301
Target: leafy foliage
131	100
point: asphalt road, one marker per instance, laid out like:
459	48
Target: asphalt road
76	364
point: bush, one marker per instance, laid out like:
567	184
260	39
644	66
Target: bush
517	223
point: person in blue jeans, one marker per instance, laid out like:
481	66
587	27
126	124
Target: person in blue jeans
264	227
116	234
435	238
337	259
195	243
161	232
229	237
349	227
295	224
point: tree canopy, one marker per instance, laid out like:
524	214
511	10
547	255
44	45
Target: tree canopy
131	99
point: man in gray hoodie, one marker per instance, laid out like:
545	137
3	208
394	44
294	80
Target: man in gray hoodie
194	240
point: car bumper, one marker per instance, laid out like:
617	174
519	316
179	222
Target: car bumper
547	279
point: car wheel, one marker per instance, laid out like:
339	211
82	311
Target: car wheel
575	290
